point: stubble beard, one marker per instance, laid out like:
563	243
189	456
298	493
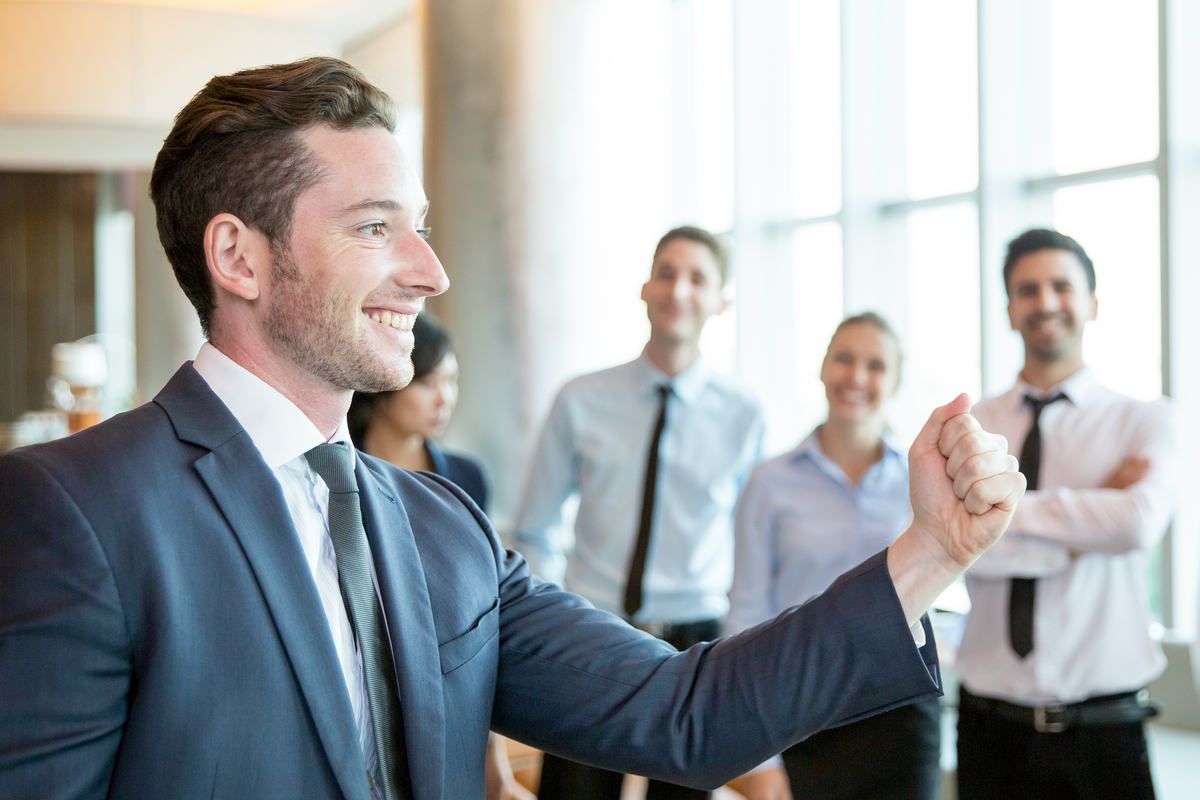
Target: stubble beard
307	326
1056	349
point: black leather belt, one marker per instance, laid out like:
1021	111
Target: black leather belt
701	630
1112	709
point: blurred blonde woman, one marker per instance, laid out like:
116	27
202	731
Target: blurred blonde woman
810	515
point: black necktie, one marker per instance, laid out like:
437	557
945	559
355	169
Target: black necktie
335	464
637	564
1021	590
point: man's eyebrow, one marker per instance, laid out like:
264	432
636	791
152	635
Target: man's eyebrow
380	205
385	205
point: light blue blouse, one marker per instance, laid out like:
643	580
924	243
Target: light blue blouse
801	523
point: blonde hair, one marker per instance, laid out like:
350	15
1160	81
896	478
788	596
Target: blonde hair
877	322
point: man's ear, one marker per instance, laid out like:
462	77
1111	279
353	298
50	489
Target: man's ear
645	288
1012	318
237	256
1095	307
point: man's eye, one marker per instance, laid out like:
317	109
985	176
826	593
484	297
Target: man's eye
373	228
424	232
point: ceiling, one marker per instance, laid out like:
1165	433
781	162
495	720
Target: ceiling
347	21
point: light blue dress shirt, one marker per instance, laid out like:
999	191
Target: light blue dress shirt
594	446
801	524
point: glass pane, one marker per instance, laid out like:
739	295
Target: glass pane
819	304
714	113
942	349
942	96
1105	84
1117	224
719	340
625	142
816	108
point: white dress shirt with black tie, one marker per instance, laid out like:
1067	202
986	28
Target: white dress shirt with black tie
1087	546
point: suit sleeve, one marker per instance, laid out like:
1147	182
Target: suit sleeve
64	650
580	683
552	481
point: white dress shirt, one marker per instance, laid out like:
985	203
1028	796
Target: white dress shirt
801	523
283	434
1087	547
595	445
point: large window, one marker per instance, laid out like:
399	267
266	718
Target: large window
916	138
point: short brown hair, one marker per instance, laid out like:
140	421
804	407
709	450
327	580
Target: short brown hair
235	148
699	236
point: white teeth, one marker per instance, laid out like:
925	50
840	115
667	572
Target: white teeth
401	322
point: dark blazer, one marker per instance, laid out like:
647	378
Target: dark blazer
464	472
161	636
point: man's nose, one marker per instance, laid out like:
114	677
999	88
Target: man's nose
681	288
1048	299
420	272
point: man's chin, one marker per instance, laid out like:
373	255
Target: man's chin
382	380
1048	353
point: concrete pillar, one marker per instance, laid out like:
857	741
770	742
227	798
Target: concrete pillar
501	131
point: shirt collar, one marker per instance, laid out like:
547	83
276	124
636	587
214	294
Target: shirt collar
278	428
687	385
1080	388
810	448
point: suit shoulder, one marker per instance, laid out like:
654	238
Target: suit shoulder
118	437
425	493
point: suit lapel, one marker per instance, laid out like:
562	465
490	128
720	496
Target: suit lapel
411	629
251	501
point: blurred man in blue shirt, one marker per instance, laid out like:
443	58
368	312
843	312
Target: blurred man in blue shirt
657	450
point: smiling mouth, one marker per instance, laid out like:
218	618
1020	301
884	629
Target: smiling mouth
397	321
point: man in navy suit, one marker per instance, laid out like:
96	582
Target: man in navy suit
175	622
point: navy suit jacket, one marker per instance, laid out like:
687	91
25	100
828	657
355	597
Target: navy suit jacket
161	636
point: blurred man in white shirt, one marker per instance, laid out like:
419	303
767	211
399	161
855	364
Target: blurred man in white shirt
1057	649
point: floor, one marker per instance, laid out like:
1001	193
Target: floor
1174	759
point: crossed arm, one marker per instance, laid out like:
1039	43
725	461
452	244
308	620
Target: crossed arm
1129	511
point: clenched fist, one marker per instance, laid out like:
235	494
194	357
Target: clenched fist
964	488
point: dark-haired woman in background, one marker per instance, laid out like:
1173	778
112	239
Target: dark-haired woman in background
805	518
400	427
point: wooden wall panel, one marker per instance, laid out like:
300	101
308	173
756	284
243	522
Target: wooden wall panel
47	278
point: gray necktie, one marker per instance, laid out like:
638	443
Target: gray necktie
335	464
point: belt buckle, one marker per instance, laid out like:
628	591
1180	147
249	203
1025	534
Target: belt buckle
1042	722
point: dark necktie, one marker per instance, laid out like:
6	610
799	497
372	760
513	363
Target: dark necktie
1021	590
335	464
637	564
